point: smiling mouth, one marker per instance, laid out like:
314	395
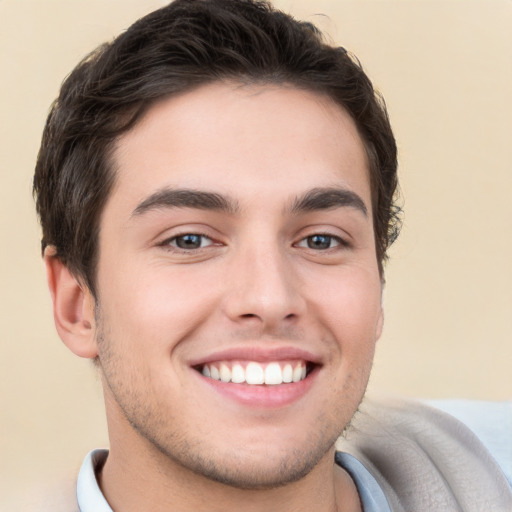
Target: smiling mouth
254	373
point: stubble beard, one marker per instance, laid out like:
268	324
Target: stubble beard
193	454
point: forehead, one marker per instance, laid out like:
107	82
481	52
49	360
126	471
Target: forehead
249	141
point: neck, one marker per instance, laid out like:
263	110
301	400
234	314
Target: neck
138	476
131	482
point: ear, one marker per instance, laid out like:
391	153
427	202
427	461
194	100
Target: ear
73	307
380	319
380	323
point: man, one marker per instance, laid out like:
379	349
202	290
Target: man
216	194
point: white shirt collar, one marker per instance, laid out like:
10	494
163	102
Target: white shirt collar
88	492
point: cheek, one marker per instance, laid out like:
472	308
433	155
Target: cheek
156	306
350	308
353	307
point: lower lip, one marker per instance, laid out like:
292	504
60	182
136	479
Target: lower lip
262	396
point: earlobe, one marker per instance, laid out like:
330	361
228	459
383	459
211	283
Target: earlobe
73	307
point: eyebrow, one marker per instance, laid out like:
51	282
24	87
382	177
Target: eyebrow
314	199
186	198
326	198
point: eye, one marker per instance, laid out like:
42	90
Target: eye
321	242
189	241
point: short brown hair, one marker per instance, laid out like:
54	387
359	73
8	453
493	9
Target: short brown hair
181	46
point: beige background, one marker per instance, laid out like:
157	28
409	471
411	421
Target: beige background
445	69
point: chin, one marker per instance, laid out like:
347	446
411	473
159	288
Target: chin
264	463
249	474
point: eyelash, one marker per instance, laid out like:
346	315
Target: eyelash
332	238
173	242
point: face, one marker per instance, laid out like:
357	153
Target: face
238	286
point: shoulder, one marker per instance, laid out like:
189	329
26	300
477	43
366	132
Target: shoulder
490	421
426	459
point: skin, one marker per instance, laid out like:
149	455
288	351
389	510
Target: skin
258	283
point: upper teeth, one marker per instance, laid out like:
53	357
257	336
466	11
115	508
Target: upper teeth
256	373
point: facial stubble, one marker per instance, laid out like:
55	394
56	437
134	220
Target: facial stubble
152	422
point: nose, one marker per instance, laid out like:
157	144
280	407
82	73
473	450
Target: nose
263	289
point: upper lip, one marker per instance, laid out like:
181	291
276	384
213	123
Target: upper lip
259	354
